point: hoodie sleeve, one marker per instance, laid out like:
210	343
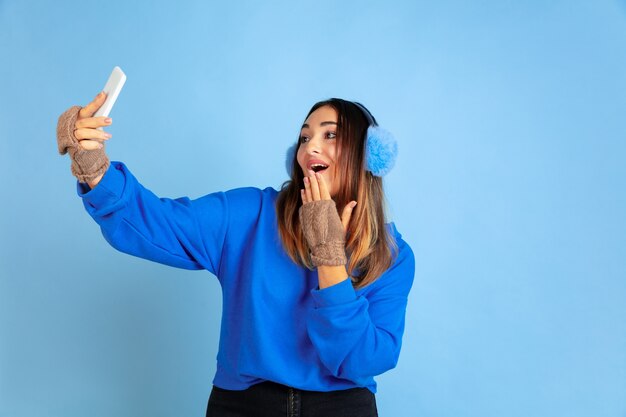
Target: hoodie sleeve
178	232
359	336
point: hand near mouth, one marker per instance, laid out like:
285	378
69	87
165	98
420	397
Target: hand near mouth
315	189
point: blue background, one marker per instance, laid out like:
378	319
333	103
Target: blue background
509	186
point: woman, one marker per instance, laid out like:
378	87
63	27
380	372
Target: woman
313	302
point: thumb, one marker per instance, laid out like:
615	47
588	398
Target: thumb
347	214
91	108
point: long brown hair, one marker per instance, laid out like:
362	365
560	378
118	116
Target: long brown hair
369	246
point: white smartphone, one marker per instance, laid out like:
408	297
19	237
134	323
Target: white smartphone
112	89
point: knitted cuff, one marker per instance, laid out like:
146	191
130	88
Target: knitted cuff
323	232
86	164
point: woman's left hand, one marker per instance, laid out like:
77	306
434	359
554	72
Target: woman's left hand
315	189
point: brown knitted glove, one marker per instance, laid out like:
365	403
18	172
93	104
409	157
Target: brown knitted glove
323	232
86	164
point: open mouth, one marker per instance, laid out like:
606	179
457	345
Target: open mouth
318	167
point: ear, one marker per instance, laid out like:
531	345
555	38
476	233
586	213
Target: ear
291	154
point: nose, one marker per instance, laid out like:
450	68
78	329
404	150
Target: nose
312	146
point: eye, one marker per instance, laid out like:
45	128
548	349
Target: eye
331	135
303	139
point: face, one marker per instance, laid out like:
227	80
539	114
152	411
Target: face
318	146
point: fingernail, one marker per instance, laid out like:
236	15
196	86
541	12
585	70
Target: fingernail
108	135
108	120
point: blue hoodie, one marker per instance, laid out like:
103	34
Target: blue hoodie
277	325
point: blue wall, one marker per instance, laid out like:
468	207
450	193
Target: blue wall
510	187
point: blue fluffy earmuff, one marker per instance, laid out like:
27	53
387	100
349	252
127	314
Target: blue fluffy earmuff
381	148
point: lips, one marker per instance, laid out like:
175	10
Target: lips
317	165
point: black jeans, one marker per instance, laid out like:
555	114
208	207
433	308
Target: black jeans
269	399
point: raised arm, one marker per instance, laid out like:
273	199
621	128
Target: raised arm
179	232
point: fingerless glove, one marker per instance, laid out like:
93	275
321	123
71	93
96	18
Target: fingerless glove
86	164
323	232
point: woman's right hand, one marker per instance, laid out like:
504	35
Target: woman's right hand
78	136
85	127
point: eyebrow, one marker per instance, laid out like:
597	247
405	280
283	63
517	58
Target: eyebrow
321	124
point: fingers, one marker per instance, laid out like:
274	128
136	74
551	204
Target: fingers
324	193
314	188
308	196
85	129
92	107
314	185
347	214
88	133
90	145
93	122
